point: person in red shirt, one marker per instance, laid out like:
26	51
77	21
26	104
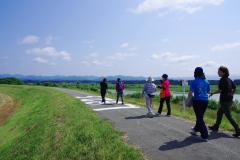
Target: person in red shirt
165	94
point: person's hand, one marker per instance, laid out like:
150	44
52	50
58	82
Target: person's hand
211	94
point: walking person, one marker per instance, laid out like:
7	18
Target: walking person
103	89
165	94
199	90
148	92
226	88
120	90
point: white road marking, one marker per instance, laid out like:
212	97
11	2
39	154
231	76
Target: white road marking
96	100
78	97
113	108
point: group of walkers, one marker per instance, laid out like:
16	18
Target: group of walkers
119	87
199	93
149	90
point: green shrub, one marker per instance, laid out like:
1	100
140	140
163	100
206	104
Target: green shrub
10	80
212	104
177	99
134	95
236	106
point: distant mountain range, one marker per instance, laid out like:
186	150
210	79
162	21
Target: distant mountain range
69	78
94	78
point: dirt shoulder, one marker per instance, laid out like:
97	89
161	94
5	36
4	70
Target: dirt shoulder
7	107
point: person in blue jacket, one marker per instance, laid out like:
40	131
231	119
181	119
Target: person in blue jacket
199	90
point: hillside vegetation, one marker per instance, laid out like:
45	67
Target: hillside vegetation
52	125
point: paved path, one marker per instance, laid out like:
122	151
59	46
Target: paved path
162	138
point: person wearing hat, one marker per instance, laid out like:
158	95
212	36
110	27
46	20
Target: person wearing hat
226	88
119	89
165	94
199	90
148	92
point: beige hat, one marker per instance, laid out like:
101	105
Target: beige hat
150	79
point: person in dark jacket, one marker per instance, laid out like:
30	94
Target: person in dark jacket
226	88
199	90
103	90
120	90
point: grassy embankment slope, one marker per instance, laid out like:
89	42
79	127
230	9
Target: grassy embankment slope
49	124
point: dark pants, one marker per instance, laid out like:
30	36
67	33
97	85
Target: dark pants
103	94
199	109
120	94
167	99
226	109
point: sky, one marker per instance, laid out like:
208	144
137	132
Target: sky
120	37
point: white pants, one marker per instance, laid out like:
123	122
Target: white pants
149	104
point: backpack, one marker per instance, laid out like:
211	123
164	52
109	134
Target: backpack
120	86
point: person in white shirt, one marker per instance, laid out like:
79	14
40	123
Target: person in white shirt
148	92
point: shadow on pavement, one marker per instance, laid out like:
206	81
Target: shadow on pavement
180	144
191	140
140	117
108	104
216	135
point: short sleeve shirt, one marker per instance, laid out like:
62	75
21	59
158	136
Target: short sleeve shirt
200	87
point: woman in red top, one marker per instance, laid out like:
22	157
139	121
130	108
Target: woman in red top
165	94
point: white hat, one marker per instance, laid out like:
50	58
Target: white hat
150	79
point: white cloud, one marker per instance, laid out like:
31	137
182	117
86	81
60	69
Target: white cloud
30	39
226	46
187	6
43	61
40	60
120	56
210	64
173	57
108	61
50	52
124	45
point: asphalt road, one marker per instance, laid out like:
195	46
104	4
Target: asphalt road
162	138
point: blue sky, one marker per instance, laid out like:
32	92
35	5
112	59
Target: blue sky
137	37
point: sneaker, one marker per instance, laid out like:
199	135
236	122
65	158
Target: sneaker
149	115
157	114
204	138
168	115
213	128
193	131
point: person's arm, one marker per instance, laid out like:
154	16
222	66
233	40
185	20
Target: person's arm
106	87
190	94
216	92
219	89
233	88
143	91
116	87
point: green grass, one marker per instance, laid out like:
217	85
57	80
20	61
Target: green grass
51	125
